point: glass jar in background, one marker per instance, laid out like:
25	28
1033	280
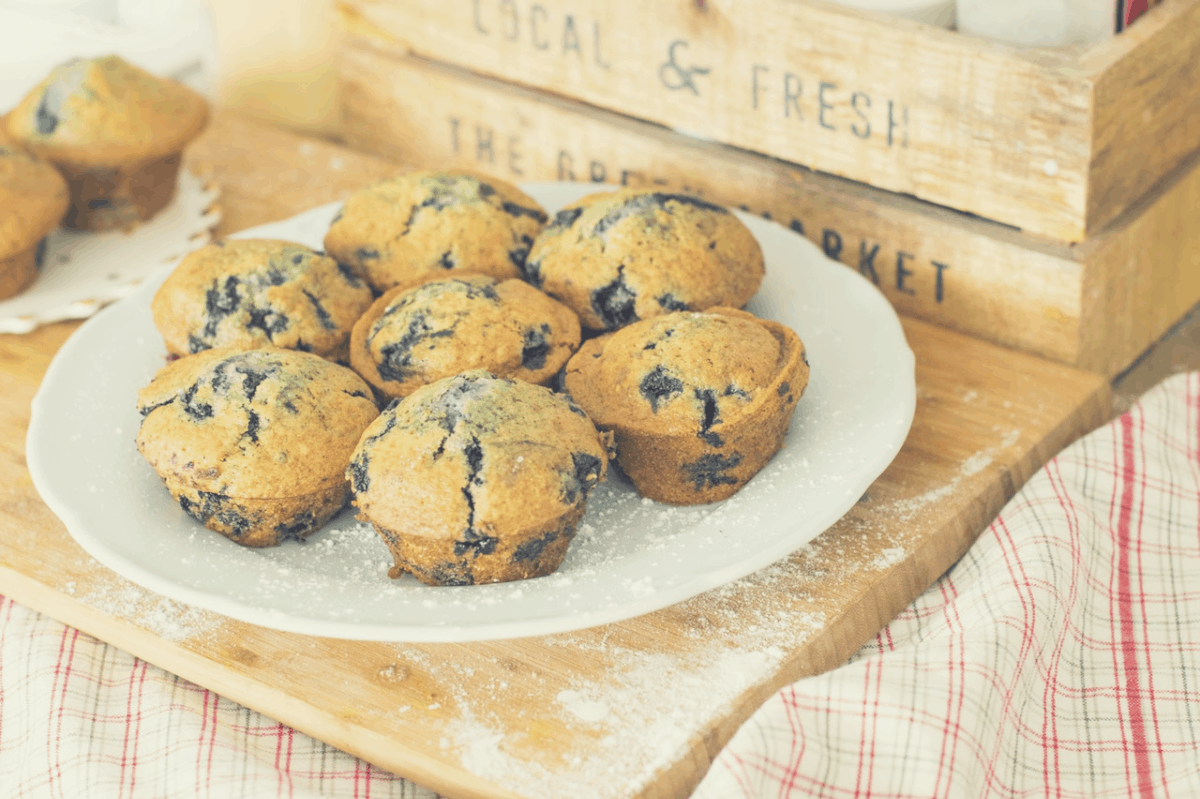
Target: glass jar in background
174	38
931	12
1040	23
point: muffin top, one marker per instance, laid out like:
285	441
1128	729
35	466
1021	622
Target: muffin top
617	257
106	112
425	221
33	198
685	373
445	323
265	423
474	454
250	293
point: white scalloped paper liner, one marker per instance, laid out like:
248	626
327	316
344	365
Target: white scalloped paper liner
82	272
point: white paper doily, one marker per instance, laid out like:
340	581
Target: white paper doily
82	272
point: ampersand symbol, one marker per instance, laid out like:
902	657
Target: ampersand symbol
674	76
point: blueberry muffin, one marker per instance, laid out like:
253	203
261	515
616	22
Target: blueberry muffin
115	132
251	293
699	402
33	199
254	444
429	221
477	479
617	257
445	323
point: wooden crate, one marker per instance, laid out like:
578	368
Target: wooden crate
1053	143
1096	305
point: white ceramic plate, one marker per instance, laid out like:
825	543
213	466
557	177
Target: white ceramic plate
631	556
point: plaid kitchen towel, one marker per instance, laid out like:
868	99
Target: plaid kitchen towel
1060	657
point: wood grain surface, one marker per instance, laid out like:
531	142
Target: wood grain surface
637	708
1049	141
1097	305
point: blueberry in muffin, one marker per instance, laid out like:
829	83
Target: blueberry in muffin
254	443
115	132
617	257
441	324
33	199
477	479
699	402
429	221
251	293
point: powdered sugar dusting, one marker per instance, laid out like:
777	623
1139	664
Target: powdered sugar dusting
906	509
166	618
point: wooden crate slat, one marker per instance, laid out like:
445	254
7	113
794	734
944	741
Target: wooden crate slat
1018	136
1096	305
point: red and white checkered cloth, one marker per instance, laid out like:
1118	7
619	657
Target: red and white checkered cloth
1060	657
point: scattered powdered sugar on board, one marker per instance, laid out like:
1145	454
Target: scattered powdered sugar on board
905	509
888	558
642	712
588	710
166	618
643	719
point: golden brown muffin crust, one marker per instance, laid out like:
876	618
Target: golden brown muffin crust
251	293
263	424
439	325
617	257
106	112
426	221
478	479
698	402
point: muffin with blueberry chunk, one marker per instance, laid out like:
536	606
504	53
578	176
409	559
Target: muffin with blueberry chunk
698	402
617	257
477	479
428	221
254	444
442	324
116	132
250	293
33	199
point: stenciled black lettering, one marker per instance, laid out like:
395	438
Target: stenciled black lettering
565	166
895	124
797	226
571	37
597	172
534	13
600	62
866	261
483	145
627	174
475	4
454	135
514	156
940	283
791	96
754	70
823	106
674	75
508	9
856	99
903	272
831	243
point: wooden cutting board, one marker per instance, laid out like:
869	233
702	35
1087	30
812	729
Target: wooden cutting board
637	708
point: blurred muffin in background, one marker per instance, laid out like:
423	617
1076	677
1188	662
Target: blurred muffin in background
115	132
33	199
